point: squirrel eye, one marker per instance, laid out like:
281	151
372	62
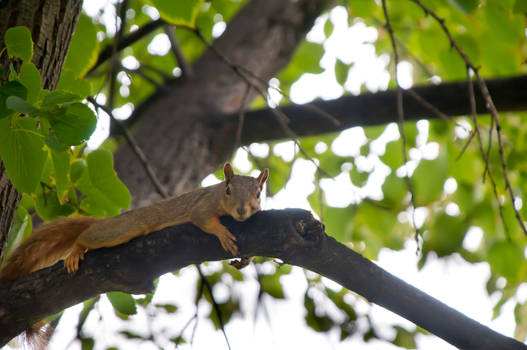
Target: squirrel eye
228	191
258	195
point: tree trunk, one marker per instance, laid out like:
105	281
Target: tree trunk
51	23
177	131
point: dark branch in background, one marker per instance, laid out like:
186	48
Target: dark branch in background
368	109
290	235
400	120
489	104
186	68
126	41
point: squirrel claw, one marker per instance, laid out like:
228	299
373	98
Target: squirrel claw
243	262
229	246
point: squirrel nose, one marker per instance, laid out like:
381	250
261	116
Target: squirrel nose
240	211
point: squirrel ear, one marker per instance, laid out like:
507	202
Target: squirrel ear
263	176
228	172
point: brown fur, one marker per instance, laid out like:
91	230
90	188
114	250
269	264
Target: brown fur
46	245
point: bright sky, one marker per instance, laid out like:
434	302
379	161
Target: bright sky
453	281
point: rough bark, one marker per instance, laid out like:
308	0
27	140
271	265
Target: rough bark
262	38
51	23
291	235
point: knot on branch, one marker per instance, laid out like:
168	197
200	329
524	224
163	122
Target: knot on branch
310	229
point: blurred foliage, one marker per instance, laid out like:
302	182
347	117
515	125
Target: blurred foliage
43	133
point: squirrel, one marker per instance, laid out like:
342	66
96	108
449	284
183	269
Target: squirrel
237	196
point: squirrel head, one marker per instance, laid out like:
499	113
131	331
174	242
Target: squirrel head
242	193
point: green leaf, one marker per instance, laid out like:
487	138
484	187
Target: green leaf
305	60
226	310
446	234
18	43
104	191
394	190
328	28
466	6
17	104
520	6
84	47
404	338
74	126
338	222
372	132
20	229
308	56
520	316
77	169
506	259
21	149
49	208
104	178
170	308
30	77
341	71
87	343
429	178
68	82
362	8
12	88
122	302
178	12
59	97
358	178
61	163
393	155
271	285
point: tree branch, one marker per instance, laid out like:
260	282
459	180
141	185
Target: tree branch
292	235
126	41
380	108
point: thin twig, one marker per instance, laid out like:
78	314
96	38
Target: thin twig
465	146
135	148
241	116
428	105
474	115
186	68
198	297
145	76
214	304
126	41
489	103
114	59
402	44
400	116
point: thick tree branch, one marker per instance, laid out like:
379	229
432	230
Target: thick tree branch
380	108
292	235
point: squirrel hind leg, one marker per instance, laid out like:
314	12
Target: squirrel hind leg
72	261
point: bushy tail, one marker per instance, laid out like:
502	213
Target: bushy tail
47	244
